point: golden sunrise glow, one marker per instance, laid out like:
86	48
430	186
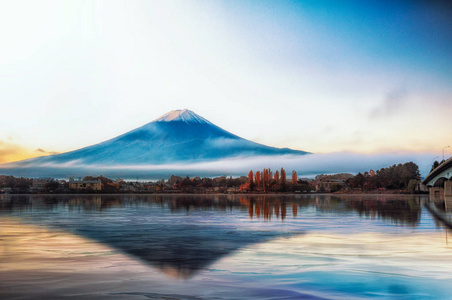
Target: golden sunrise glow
10	152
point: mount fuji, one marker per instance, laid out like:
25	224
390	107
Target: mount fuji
184	143
178	137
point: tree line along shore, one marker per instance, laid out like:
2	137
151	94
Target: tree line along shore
401	178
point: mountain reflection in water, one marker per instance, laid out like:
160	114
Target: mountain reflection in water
183	234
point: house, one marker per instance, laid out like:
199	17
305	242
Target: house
327	184
39	184
82	185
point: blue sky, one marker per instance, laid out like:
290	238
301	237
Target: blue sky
319	76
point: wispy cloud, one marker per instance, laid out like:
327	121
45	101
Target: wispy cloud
394	101
40	150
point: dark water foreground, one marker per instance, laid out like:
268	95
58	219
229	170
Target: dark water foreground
222	247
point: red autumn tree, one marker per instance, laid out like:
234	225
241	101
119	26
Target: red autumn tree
283	176
294	177
266	180
257	178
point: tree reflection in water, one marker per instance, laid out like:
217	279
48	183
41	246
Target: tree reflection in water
398	211
146	226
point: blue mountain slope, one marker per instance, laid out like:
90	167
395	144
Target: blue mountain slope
179	136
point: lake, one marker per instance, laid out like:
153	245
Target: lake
222	247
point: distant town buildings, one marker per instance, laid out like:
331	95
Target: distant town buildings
83	185
399	178
39	184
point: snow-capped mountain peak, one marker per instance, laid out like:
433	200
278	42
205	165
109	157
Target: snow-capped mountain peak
182	115
179	137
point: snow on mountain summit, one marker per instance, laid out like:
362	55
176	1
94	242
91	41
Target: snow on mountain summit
182	115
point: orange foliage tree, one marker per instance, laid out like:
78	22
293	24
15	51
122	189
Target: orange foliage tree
257	178
266	180
245	187
283	176
294	177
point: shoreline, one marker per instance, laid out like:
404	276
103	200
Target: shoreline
223	194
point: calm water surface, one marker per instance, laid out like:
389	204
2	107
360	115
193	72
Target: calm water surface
222	247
